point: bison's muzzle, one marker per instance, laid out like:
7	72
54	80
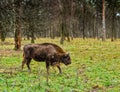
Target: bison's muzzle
66	59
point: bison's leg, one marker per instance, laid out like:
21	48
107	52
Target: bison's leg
23	63
47	67
28	64
60	71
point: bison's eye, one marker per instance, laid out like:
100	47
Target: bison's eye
53	56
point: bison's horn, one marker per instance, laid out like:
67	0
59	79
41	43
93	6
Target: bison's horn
67	53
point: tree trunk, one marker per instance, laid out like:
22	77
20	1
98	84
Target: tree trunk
3	36
103	21
52	32
32	37
113	29
62	32
18	27
32	33
113	35
83	29
2	33
17	38
83	20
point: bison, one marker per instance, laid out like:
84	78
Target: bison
49	53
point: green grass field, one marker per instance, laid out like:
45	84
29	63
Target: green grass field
95	68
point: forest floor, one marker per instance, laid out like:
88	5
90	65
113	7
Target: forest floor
95	67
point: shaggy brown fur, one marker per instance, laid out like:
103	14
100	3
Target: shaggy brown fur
50	53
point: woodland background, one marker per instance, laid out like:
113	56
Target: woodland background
68	19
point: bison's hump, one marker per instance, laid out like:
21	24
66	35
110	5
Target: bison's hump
58	48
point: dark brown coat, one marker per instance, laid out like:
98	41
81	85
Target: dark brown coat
50	53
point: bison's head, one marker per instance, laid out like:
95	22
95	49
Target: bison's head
66	59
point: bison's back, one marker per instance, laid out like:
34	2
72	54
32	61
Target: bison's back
58	49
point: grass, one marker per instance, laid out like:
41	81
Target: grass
95	68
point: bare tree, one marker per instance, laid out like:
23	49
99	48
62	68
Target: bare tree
103	21
18	10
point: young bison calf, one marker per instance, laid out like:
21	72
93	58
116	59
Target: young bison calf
49	53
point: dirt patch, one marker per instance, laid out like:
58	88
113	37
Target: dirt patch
6	43
97	88
10	53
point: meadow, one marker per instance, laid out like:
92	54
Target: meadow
95	67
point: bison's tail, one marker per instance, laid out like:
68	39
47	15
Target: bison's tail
23	56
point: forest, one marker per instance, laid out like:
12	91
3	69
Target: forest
88	29
68	19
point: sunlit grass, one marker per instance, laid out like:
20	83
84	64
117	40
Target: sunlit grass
95	68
